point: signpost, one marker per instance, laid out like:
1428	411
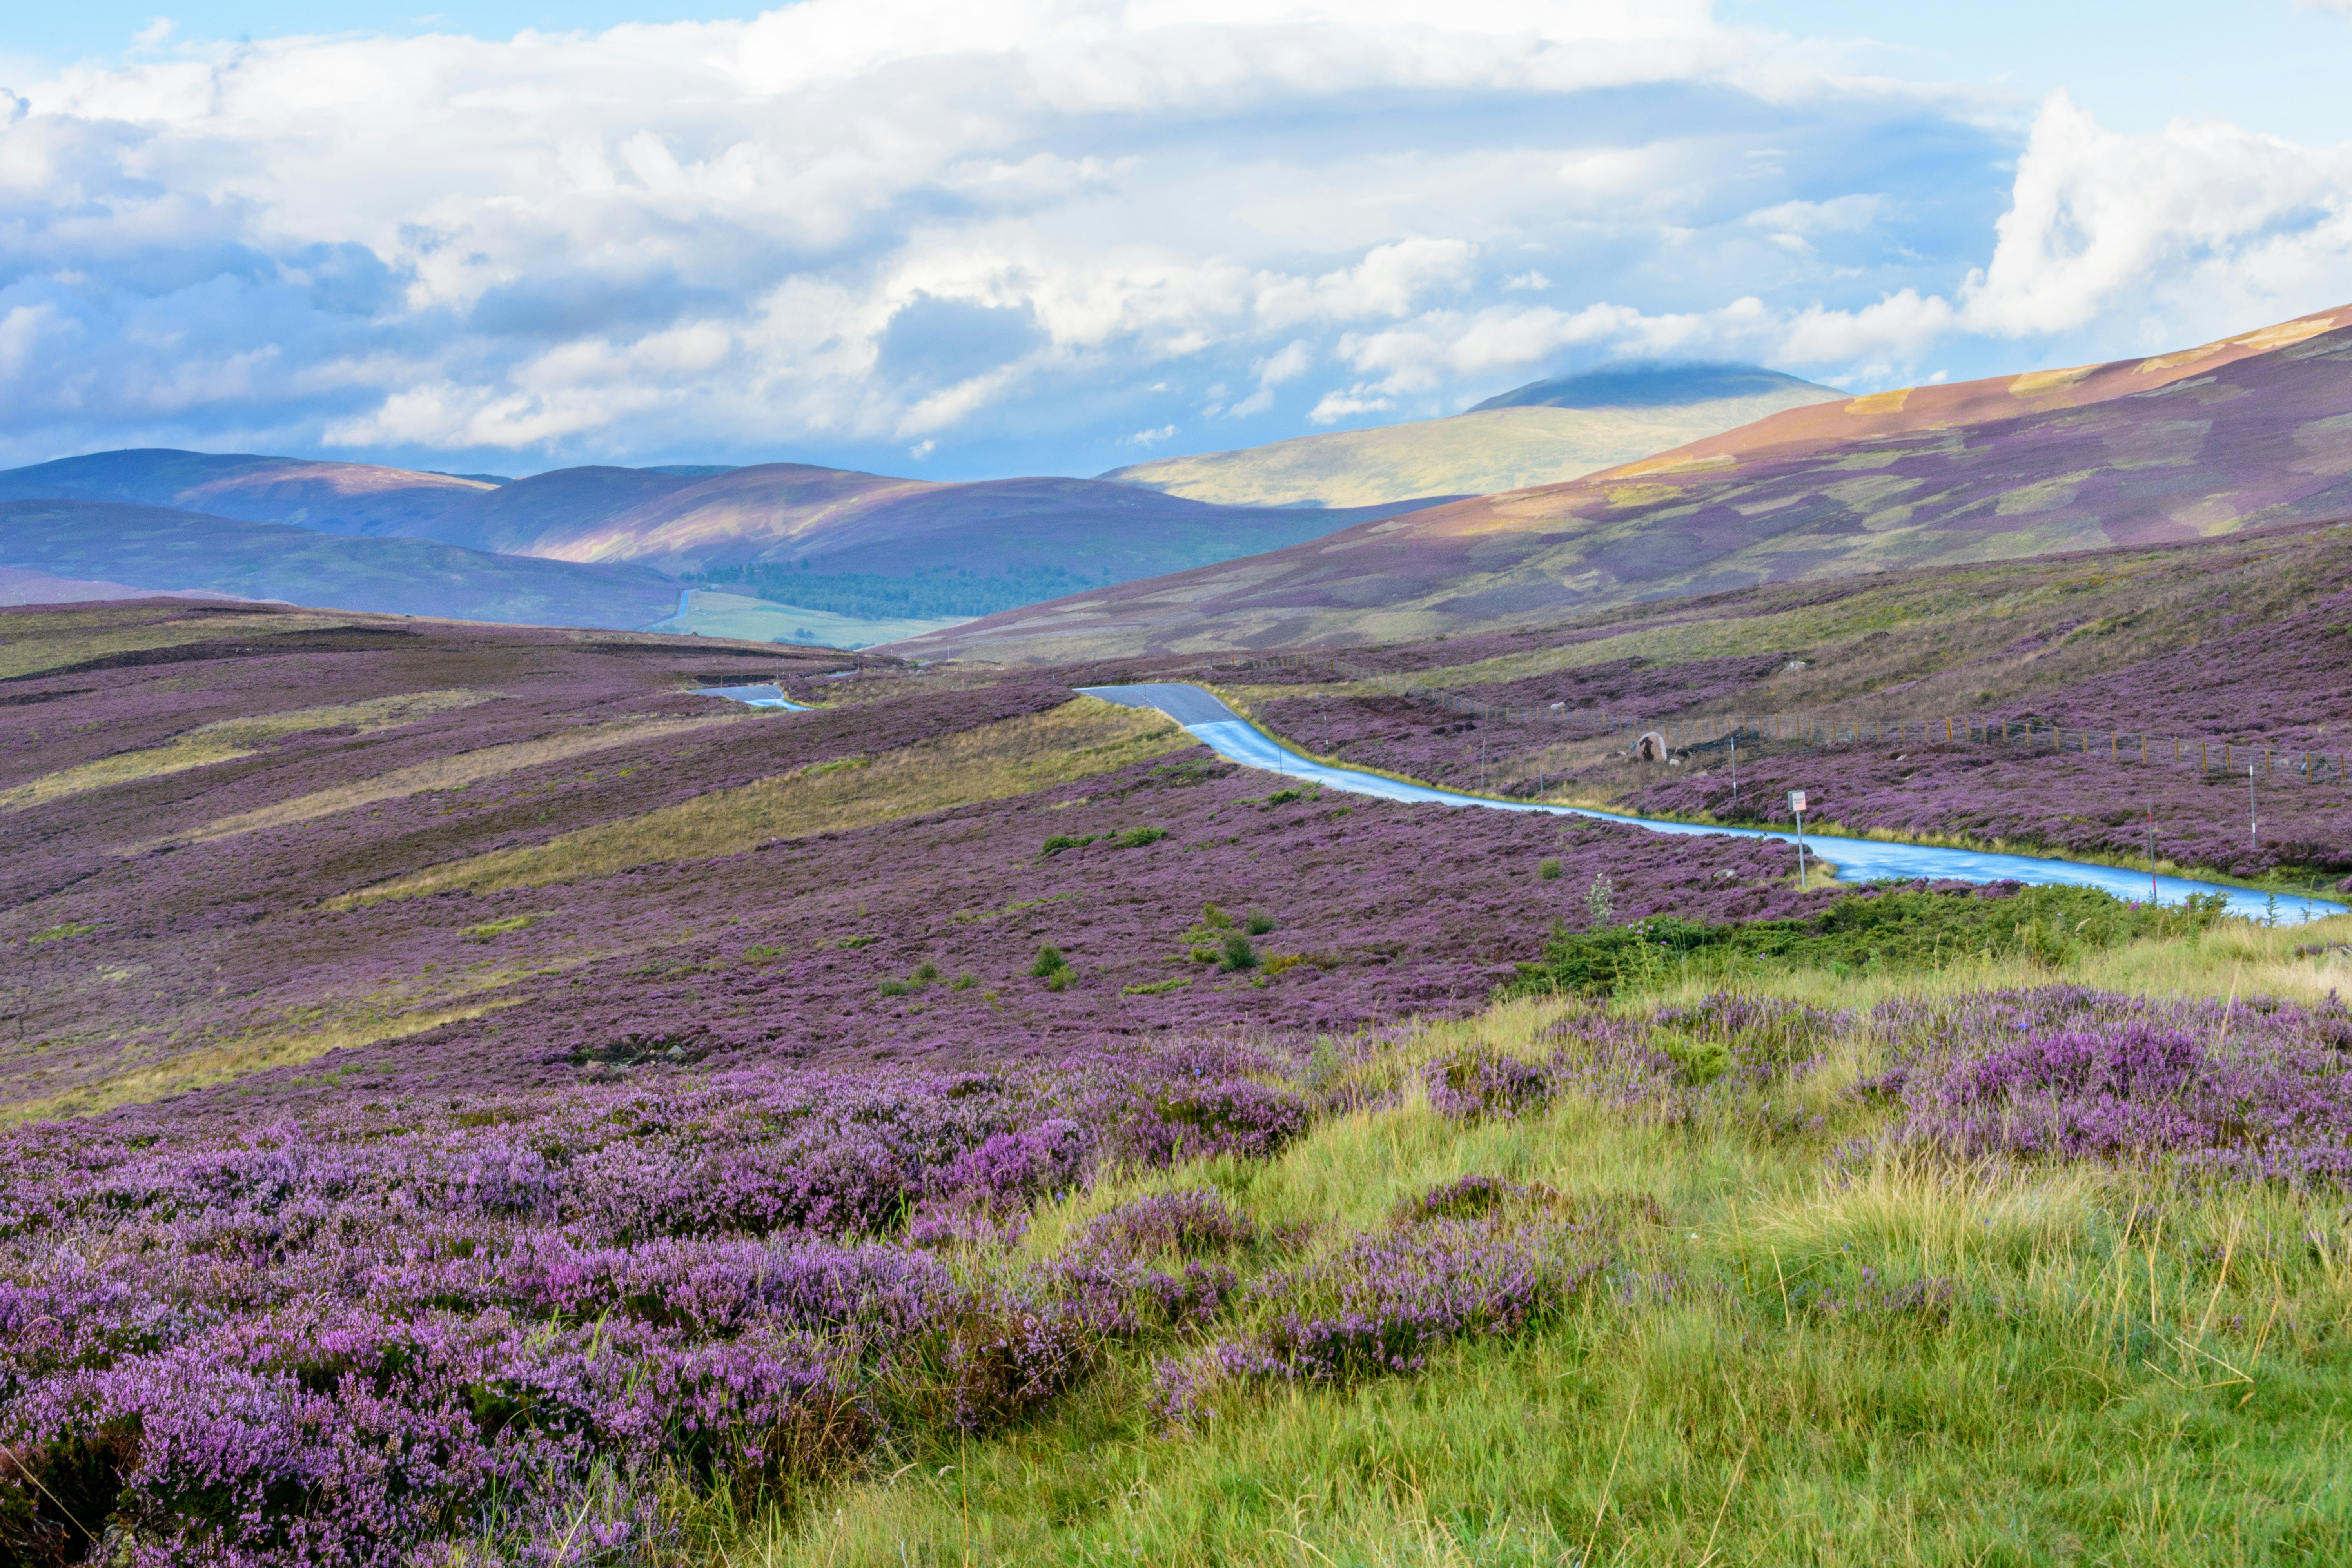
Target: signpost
1797	804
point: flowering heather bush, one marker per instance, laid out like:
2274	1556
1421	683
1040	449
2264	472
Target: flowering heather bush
1388	1298
1465	1198
2254	1088
1187	1223
1485	1083
353	1339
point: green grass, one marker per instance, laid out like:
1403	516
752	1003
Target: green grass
2128	1371
1896	930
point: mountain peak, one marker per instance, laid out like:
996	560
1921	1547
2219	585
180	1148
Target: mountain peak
1654	384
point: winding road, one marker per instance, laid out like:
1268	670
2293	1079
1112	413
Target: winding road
1231	736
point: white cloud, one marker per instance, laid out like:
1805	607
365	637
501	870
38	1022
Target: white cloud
1151	438
1357	399
1023	228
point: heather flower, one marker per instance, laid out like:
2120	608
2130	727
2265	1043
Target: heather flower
1383	1303
1485	1083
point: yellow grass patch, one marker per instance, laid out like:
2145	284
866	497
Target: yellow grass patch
284	1046
2034	381
445	773
1880	402
233	738
56	638
1010	757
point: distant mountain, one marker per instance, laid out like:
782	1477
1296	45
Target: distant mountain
1650	383
2231	434
1544	433
112	542
539	515
334	497
874	547
18	586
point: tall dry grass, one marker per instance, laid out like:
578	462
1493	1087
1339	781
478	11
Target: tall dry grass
287	1042
51	640
229	739
1009	757
458	772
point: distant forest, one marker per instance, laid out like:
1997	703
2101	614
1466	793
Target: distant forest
940	593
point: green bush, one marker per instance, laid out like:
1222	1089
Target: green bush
1049	964
1136	837
1903	929
1258	924
1239	953
924	973
1548	871
1214	918
963	982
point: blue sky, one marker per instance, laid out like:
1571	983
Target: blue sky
1016	236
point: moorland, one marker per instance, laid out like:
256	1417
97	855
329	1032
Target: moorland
2245	432
472	1099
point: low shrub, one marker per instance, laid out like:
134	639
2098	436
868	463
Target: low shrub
1049	962
1549	870
1258	923
1483	1083
1898	926
1239	953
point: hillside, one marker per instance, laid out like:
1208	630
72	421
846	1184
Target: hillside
2231	434
334	497
514	1091
18	586
1543	433
871	547
539	515
112	542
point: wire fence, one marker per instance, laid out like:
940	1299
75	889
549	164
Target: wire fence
2266	760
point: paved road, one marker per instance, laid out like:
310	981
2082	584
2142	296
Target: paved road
756	696
1852	860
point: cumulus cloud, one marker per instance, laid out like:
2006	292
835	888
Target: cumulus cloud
1024	233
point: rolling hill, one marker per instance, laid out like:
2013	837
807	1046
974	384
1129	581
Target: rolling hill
115	541
1543	433
839	519
870	546
333	497
2206	441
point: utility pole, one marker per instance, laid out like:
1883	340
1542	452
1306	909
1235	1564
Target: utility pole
1797	804
2254	820
1734	772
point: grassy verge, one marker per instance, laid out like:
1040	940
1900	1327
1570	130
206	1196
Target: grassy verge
1013	756
1804	1359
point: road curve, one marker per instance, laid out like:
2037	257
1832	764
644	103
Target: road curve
1852	860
